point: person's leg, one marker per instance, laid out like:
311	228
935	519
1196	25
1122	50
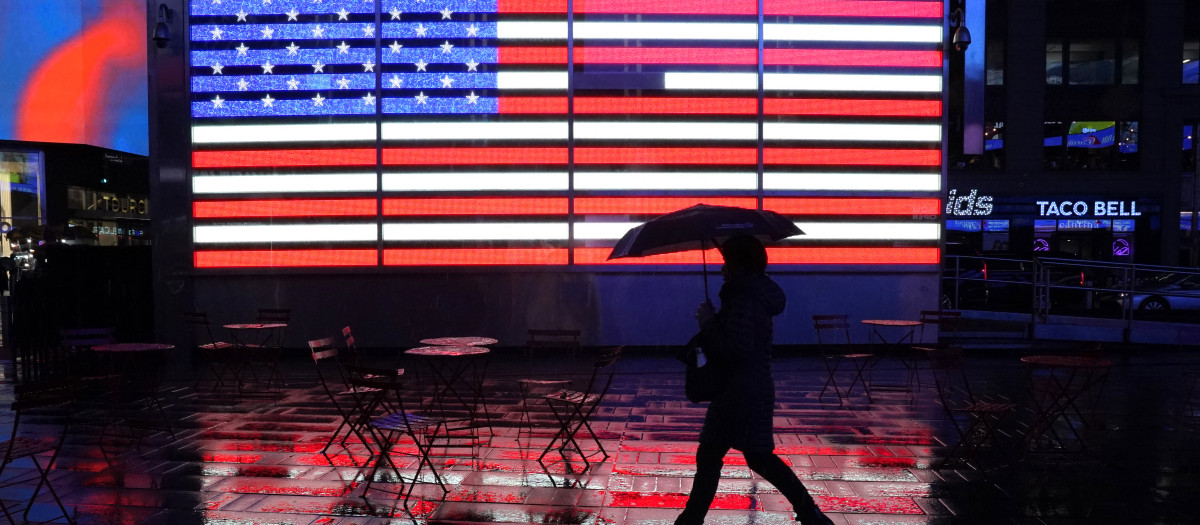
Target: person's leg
776	472
704	486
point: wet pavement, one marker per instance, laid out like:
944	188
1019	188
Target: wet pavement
256	457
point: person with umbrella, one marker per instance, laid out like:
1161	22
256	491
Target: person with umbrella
738	338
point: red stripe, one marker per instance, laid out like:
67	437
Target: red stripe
777	255
849	57
851	206
534	105
653	205
228	209
532	55
858	8
666	55
284	258
283	158
854	107
473	256
476	206
470	156
667	105
600	256
718	156
852	157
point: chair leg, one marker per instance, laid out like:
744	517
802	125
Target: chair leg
831	380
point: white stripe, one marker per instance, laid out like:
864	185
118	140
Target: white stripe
711	81
285	233
868	231
475	231
928	34
593	231
666	130
531	80
473	181
474	130
325	182
850	82
833	131
781	180
247	133
628	31
649	180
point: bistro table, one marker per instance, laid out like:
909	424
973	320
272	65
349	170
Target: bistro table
1058	386
458	372
260	339
459	341
138	365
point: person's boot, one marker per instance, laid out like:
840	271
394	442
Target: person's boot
811	515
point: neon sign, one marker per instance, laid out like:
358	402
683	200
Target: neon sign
1082	208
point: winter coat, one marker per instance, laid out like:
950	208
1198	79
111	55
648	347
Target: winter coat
738	339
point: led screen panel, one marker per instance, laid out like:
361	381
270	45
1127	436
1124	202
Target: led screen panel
407	133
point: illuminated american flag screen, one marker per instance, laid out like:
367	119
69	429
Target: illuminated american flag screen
536	132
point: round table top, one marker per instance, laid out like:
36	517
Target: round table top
255	326
1066	361
132	347
447	351
891	322
459	341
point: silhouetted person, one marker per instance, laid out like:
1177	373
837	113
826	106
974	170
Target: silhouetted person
738	338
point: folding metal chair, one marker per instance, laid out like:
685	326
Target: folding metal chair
217	358
380	404
573	409
564	340
975	419
947	323
341	394
81	363
267	353
834	330
31	397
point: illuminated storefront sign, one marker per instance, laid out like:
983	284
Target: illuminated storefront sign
971	204
101	204
1079	208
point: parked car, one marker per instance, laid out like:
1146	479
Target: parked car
1161	293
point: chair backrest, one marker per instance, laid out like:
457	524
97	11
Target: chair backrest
201	329
832	329
946	321
563	339
603	371
274	315
351	346
83	338
322	349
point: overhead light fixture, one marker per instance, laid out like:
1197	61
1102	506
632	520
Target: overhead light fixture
962	35
162	32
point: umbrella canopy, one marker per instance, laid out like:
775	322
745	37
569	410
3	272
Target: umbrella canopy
700	227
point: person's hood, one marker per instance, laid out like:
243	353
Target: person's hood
759	286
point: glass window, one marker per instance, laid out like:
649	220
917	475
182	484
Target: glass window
1189	149
1054	59
21	203
1191	62
1091	62
994	62
1129	61
1053	152
1091	145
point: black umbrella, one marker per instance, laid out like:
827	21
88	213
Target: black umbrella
701	226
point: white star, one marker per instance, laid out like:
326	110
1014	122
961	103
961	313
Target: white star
292	15
318	32
472	30
242	49
318	67
218	102
241	15
396	13
396	81
421	98
318	100
343	83
396	46
446	81
216	2
368	67
421	65
217	67
266	2
369	99
292	49
421	29
446	47
368	31
268	68
268	102
343	14
268	33
446	12
343	48
242	84
472	65
216	33
472	98
293	83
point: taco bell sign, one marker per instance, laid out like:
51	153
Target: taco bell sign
1085	209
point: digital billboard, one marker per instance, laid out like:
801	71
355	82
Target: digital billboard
408	133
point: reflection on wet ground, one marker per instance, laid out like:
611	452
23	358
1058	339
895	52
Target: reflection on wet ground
256	458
